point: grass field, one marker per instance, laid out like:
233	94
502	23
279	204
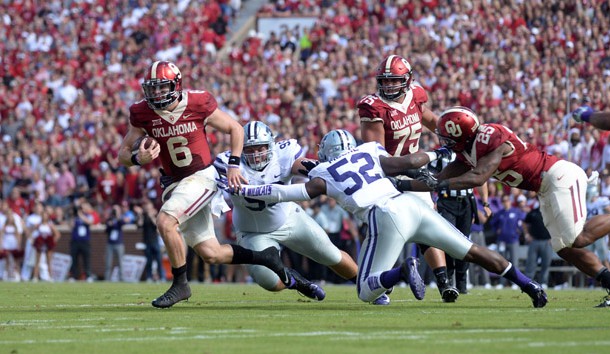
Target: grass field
118	318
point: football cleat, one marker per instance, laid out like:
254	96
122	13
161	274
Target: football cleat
462	287
306	287
174	294
274	262
449	293
383	300
605	301
410	275
536	293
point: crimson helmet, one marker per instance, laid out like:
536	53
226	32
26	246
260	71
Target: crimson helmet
162	84
456	127
394	67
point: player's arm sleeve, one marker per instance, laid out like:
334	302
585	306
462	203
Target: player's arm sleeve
276	193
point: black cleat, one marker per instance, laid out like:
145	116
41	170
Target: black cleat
449	293
605	301
174	294
462	287
274	262
305	287
536	293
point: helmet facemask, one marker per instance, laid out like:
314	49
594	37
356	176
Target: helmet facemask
393	91
162	85
397	69
160	94
260	157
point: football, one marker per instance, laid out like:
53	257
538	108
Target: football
148	142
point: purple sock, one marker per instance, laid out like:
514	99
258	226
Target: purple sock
390	278
513	274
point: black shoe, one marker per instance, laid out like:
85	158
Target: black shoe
274	262
605	301
305	287
449	293
462	287
536	293
174	294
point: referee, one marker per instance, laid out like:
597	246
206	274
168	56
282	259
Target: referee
460	209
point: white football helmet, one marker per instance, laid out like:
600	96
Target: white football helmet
335	143
258	134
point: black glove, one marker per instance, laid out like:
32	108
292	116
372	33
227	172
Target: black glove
308	166
424	175
394	181
165	180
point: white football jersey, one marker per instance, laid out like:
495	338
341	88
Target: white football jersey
356	179
251	215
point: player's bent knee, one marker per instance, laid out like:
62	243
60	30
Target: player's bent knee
166	223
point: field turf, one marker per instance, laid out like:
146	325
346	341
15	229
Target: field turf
243	319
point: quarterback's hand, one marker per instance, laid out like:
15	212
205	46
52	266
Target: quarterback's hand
223	183
424	175
308	165
582	114
443	152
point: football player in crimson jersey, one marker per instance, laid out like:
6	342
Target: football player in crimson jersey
177	119
395	117
493	150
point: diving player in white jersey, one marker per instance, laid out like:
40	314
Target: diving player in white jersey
355	177
260	225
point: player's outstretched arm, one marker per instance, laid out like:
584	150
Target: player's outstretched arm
600	120
393	166
277	193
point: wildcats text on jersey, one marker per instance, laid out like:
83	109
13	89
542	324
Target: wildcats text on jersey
174	130
405	121
255	192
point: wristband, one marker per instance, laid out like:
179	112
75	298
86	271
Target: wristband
485	205
134	159
234	160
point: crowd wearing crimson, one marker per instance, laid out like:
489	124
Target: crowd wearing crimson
71	69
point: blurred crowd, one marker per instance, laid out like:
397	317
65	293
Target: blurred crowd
71	69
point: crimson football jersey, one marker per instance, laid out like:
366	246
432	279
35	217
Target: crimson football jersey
522	168
401	121
181	132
